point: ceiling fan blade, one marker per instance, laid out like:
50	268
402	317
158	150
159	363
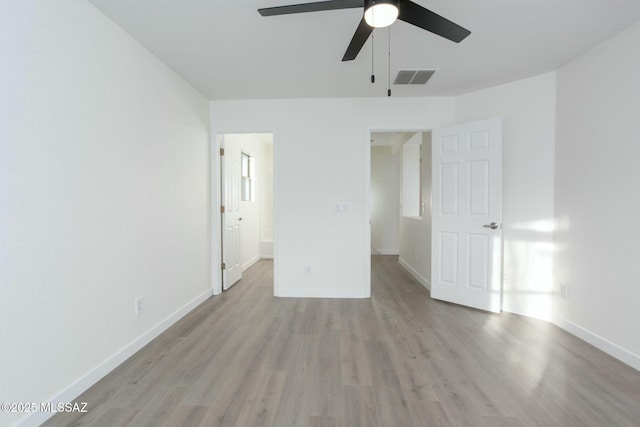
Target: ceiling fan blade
359	38
311	7
420	17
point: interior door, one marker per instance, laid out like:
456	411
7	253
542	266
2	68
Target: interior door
230	177
466	243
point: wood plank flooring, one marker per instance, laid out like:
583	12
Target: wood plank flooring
400	358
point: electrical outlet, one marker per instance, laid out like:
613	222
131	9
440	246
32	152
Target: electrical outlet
307	270
139	305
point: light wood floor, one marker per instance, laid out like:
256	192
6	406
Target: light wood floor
246	358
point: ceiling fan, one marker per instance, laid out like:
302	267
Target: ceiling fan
378	14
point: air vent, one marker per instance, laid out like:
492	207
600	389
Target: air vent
404	77
413	77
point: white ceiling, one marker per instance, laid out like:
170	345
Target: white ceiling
228	51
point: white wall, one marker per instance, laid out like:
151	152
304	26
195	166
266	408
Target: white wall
385	200
415	232
411	176
103	198
597	203
265	185
320	147
528	111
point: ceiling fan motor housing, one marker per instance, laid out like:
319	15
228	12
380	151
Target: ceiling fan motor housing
380	13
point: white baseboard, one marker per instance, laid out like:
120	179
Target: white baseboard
603	344
96	374
385	252
423	281
249	263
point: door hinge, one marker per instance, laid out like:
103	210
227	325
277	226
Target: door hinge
223	266
221	209
222	151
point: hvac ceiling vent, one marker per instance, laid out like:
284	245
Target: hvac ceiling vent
413	77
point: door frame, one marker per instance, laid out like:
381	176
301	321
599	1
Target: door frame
215	199
367	192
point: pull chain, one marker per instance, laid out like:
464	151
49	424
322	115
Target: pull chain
389	65
373	78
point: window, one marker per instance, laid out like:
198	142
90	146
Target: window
246	180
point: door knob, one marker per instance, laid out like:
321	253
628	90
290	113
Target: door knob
240	219
493	225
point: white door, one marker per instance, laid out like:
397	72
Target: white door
230	177
466	242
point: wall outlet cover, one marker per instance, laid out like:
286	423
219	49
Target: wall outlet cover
139	305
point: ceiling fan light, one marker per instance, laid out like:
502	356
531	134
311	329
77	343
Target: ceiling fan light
380	13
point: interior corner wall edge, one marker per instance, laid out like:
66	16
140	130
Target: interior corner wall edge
104	197
385	200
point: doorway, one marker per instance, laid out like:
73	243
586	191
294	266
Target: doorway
245	186
457	221
400	209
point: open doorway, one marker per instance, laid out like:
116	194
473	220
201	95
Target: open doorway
246	203
450	211
401	199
